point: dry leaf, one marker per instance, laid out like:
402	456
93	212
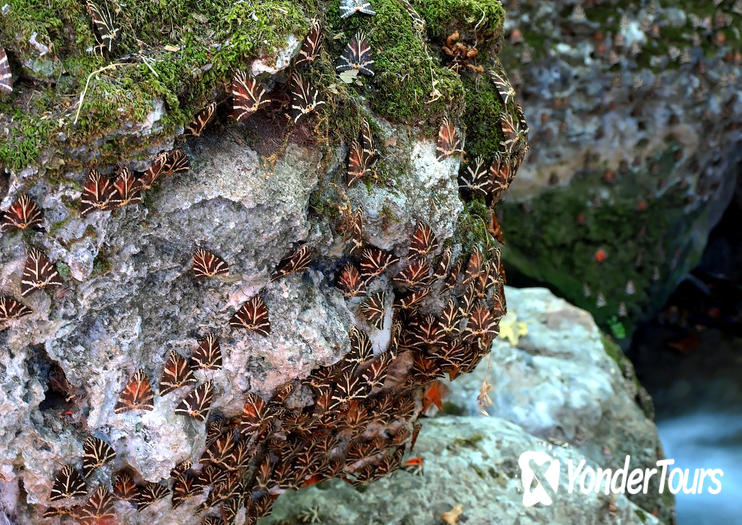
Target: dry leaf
452	516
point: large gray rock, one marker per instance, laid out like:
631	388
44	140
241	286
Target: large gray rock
468	461
634	111
566	383
561	389
130	298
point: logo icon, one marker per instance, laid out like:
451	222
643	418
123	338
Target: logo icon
540	477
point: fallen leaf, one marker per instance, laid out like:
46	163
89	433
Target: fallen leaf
452	516
172	49
511	329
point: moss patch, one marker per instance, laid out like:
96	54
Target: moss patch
409	86
544	243
442	16
207	41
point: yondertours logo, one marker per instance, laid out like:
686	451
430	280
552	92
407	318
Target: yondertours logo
540	474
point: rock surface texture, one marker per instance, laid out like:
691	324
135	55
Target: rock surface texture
635	130
557	389
306	382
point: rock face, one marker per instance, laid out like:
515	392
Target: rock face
557	389
324	393
635	132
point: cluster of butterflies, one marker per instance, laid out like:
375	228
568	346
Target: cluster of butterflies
488	180
249	96
38	272
444	314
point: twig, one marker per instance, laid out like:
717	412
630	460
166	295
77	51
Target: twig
87	83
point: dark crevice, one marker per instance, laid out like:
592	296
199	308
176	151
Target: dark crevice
59	394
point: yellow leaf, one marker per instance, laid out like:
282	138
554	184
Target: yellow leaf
511	329
452	516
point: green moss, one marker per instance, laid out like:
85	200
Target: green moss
471	227
443	16
409	85
468	442
101	265
483	108
63	270
452	409
213	38
544	244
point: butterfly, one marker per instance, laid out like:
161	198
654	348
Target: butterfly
23	213
448	141
96	453
373	309
206	264
361	349
351	7
175	374
500	177
310	47
481	325
475	179
175	162
150	493
197	125
6	77
183	488
136	395
124	486
99	509
208	355
352	229
374	261
357	56
416	273
515	134
504	88
427	331
410	302
349	388
10	308
68	483
441	266
350	281
197	403
450	319
153	172
474	266
104	23
247	96
358	163
368	141
220	450
304	99
240	457
128	188
38	273
423	241
253	315
97	193
375	375
256	414
294	263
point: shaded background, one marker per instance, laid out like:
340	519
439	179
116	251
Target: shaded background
629	204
